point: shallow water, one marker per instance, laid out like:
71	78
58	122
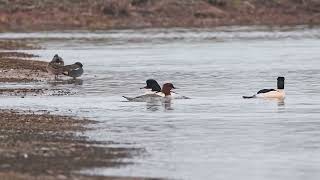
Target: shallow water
216	134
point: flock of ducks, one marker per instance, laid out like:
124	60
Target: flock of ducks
153	90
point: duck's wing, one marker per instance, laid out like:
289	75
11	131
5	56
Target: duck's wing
54	68
73	70
262	91
265	91
56	65
143	98
71	67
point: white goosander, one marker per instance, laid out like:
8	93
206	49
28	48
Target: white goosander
271	93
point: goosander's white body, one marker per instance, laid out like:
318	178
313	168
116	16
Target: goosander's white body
145	98
271	93
277	93
173	95
149	95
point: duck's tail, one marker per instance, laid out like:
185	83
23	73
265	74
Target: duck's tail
249	97
128	98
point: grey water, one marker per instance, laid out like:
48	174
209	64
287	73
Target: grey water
214	135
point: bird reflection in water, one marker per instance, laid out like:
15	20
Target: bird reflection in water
165	104
65	82
281	102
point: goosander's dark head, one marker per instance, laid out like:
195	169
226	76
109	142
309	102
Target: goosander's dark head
280	83
166	89
79	64
153	85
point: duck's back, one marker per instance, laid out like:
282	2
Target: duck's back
73	70
55	68
76	72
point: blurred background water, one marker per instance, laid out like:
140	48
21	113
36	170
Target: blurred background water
216	134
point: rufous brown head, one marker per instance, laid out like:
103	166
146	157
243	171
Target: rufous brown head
166	89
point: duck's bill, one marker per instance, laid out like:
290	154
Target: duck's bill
146	87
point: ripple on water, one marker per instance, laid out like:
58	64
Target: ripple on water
215	134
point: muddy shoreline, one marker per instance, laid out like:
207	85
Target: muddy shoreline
18	67
44	144
123	14
41	145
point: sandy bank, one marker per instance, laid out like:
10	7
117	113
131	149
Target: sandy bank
113	14
45	146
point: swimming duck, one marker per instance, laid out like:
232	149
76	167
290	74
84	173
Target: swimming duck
74	70
271	93
154	88
55	66
164	93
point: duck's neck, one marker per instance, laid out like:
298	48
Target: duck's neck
166	93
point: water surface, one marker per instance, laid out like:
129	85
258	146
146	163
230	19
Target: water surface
214	135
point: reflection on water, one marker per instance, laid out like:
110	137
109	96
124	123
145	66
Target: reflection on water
216	134
167	104
153	106
65	82
281	102
156	105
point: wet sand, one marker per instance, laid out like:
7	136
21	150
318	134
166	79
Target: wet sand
46	146
18	67
39	145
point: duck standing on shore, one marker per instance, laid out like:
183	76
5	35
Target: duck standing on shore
55	66
74	70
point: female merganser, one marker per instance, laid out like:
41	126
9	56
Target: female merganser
74	70
165	93
271	93
55	66
166	90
